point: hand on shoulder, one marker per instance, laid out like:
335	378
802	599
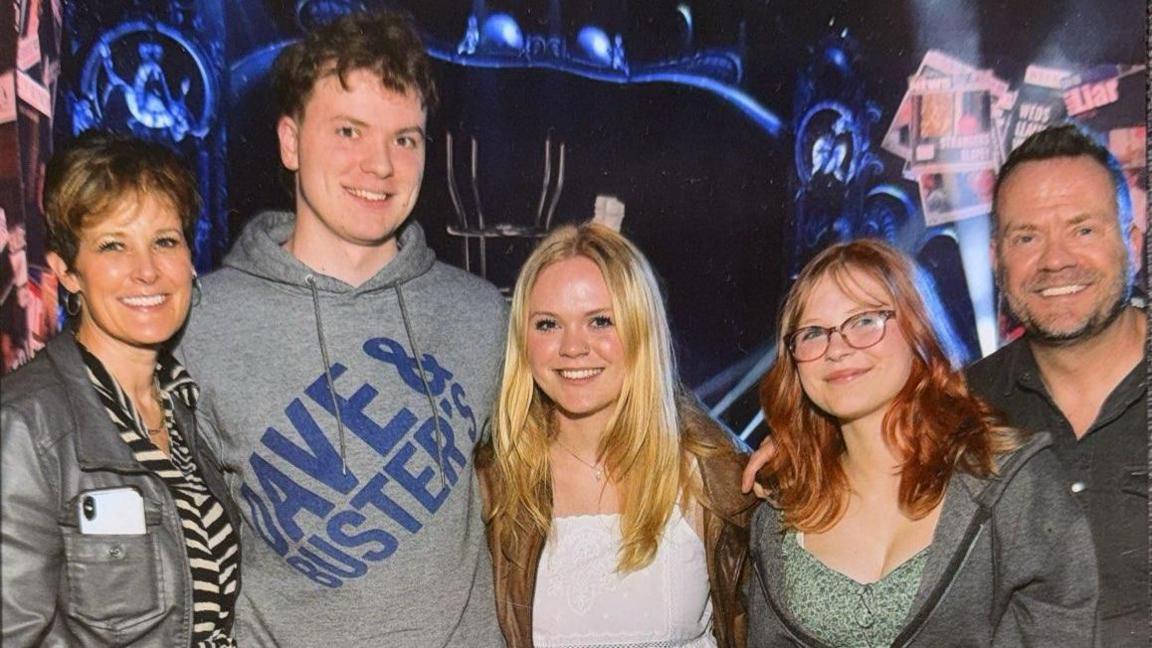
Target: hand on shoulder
756	461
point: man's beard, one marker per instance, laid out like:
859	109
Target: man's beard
1097	321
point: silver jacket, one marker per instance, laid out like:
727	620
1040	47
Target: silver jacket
61	587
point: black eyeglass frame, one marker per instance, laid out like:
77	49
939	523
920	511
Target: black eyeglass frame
886	314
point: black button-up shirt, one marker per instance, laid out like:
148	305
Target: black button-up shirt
1107	473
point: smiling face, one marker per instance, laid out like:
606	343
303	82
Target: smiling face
1060	256
853	385
573	346
133	271
358	154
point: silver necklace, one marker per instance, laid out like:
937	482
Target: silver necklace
597	468
158	396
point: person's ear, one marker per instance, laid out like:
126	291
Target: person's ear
288	130
1135	247
64	275
994	256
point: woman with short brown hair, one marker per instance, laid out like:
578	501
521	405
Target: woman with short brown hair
116	525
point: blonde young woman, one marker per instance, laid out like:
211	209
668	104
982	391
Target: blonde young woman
614	510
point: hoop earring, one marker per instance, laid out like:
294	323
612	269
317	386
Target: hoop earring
196	290
72	303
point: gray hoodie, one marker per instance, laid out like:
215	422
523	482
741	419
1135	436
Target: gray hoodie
362	521
1011	565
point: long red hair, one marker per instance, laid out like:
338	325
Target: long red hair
934	423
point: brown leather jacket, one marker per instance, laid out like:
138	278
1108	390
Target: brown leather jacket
727	514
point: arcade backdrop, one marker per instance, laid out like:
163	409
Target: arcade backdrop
731	140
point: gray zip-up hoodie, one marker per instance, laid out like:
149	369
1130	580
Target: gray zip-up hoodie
1011	564
362	521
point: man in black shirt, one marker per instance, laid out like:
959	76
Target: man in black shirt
1065	252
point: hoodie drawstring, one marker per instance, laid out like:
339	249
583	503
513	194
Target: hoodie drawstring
328	370
419	369
424	381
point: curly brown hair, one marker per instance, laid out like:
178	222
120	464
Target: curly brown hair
383	42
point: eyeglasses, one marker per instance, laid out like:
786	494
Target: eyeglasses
860	331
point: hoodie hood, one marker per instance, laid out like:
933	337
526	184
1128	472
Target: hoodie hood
260	252
986	492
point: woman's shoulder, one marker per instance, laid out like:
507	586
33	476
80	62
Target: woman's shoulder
1033	459
716	449
40	381
1029	481
700	428
721	457
35	411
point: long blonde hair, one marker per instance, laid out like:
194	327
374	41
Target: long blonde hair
641	446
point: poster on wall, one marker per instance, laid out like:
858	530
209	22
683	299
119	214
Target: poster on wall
952	193
1039	104
28	290
1109	100
957	124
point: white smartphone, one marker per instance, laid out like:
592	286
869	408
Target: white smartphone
111	511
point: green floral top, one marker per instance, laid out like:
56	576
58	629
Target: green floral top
841	611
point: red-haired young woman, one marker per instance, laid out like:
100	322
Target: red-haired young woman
904	512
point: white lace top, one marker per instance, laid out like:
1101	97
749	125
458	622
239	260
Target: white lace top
581	601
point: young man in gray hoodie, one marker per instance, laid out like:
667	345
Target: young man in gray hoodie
346	374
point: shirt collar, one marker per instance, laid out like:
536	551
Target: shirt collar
1023	372
1022	368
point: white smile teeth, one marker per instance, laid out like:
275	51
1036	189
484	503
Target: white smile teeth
150	300
577	374
368	195
1059	291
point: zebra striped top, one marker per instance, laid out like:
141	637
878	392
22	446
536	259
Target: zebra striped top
209	538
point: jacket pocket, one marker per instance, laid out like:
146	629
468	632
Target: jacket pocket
114	583
1134	480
